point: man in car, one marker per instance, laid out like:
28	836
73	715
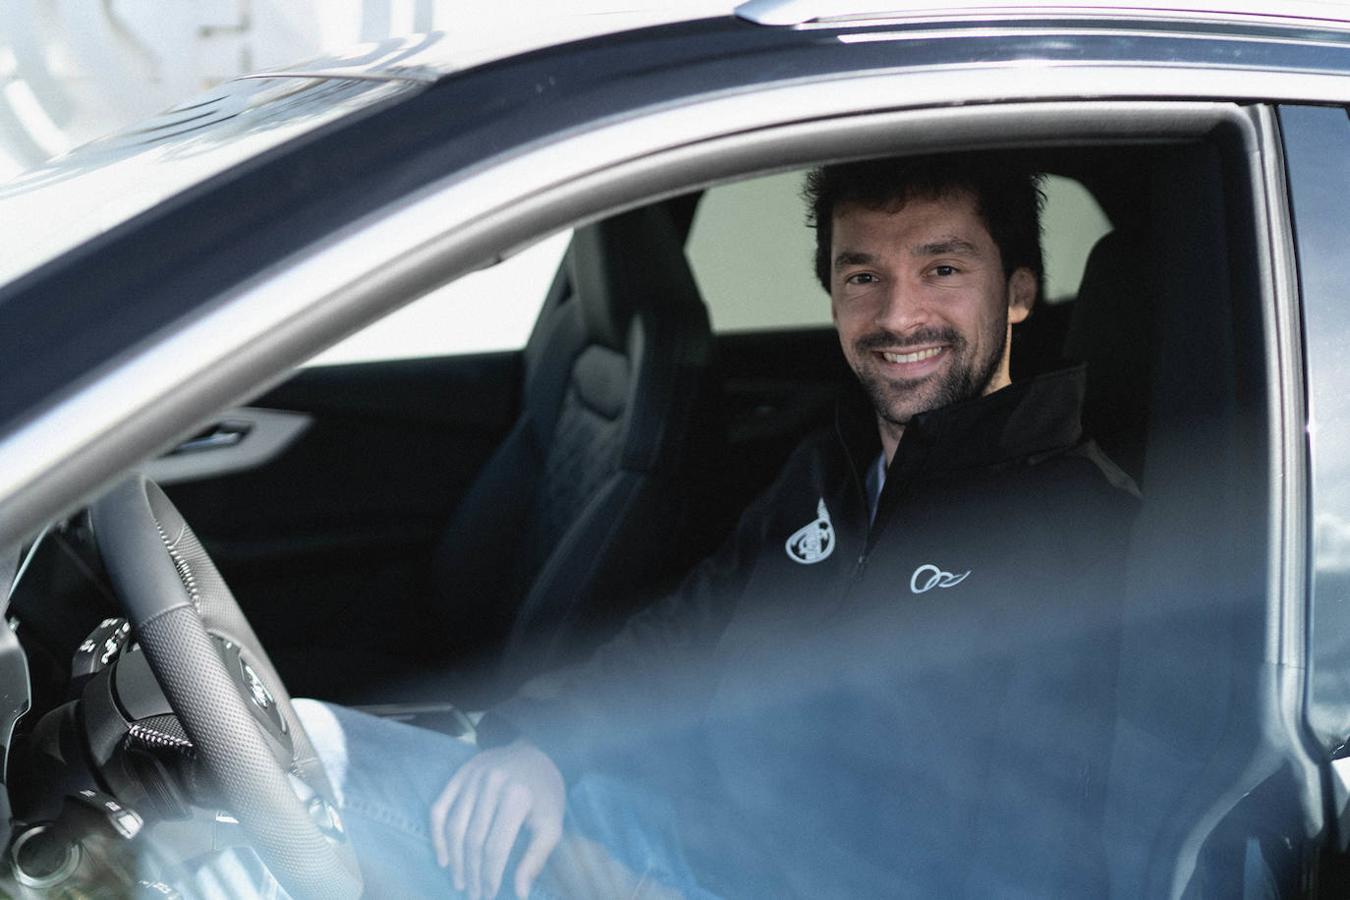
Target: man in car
896	676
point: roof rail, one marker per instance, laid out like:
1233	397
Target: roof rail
807	12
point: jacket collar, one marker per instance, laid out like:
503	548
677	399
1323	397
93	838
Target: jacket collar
1027	418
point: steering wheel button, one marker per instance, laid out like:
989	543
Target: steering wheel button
325	816
101	647
127	823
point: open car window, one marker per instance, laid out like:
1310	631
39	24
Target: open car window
750	248
484	312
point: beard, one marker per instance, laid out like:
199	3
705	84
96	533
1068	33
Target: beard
967	376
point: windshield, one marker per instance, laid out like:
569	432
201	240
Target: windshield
75	197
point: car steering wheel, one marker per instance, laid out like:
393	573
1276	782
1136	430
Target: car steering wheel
246	735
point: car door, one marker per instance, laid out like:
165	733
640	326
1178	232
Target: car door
1209	780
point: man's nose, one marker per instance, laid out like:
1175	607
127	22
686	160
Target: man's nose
902	307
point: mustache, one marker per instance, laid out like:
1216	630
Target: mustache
885	340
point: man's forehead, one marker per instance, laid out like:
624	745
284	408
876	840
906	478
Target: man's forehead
951	221
958	201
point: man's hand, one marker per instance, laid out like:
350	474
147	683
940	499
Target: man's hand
475	821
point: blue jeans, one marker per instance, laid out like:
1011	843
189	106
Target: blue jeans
620	841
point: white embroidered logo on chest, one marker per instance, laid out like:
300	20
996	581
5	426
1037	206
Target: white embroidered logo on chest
929	576
812	542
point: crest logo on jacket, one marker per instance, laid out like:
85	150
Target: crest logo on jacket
812	542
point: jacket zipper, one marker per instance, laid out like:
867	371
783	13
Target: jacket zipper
861	490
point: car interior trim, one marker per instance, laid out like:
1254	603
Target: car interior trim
252	437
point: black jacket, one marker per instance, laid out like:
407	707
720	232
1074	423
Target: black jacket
922	705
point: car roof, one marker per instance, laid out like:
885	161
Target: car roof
488	37
73	197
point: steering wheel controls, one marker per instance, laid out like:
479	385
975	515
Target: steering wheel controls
94	810
100	648
323	814
326	817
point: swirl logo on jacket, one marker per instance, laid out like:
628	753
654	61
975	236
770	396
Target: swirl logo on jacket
929	576
812	542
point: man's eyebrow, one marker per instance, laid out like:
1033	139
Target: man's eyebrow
853	258
949	246
952	246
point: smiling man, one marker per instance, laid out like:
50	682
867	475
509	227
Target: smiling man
924	296
896	676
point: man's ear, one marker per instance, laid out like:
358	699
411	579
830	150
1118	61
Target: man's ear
1021	294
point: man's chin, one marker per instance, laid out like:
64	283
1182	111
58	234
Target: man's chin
898	403
900	414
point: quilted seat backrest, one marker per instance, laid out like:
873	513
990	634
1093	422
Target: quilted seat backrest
581	501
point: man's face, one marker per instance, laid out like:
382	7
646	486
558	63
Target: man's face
923	309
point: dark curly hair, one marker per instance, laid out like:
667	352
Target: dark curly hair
1008	199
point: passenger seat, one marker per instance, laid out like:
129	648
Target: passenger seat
585	500
1111	331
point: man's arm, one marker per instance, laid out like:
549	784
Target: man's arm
513	784
654	675
656	660
653	678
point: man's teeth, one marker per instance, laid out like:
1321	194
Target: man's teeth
916	356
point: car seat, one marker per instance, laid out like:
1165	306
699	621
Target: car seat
1191	735
1110	330
584	501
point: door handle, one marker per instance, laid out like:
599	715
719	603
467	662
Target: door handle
228	433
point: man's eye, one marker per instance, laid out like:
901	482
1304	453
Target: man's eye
944	271
861	278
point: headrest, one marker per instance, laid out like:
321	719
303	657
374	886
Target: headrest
1111	331
626	263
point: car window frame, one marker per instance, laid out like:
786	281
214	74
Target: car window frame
297	307
1314	206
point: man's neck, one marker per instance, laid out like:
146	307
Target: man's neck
890	438
891	432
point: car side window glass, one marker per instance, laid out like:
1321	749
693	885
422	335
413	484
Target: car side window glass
1317	154
751	251
1072	222
483	312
